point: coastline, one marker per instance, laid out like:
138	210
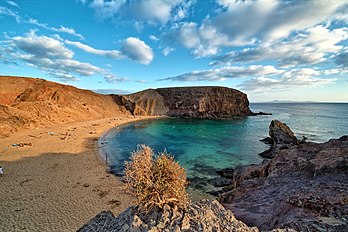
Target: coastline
60	181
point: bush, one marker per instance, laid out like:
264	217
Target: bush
156	180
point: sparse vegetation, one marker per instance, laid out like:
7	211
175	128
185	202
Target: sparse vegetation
156	180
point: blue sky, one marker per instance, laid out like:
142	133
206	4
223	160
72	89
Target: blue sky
269	49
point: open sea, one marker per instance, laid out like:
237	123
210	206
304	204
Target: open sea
204	146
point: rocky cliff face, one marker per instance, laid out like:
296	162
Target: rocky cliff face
303	186
195	102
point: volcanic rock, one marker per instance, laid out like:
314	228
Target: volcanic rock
281	133
281	136
304	187
205	215
193	102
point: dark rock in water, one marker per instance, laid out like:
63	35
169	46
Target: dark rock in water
280	137
267	140
303	187
261	113
281	133
220	182
203	216
267	154
226	173
193	102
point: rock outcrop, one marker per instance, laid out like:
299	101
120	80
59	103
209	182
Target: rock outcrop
204	216
303	187
193	102
281	137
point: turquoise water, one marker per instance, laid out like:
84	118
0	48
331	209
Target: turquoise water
204	146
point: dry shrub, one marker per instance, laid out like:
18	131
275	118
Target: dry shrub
156	180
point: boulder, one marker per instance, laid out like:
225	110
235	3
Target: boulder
281	133
281	137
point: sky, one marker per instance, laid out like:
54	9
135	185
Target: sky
270	49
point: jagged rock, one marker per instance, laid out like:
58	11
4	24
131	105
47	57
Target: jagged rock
220	182
101	220
205	215
226	173
281	133
194	102
281	136
261	113
267	140
305	188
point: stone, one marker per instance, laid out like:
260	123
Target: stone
295	189
281	136
226	173
281	133
205	215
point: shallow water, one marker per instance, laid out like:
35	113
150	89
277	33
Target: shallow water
204	146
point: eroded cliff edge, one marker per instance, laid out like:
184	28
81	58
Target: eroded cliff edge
194	102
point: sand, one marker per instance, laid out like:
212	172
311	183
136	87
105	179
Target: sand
58	184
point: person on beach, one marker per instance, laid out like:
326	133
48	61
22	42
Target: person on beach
1	171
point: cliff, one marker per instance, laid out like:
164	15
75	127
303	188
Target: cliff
302	186
195	102
29	102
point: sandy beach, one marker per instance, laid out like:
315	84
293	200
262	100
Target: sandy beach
59	182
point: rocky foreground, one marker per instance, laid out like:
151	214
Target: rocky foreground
203	216
303	186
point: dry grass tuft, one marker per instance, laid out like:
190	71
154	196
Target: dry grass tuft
156	180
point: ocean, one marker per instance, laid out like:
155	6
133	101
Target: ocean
204	146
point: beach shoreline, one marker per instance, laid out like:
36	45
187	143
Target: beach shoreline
60	181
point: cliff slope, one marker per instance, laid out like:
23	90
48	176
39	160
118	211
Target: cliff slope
195	102
29	102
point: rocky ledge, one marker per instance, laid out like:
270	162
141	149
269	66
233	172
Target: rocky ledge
203	216
302	185
193	102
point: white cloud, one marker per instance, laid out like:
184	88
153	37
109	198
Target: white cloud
273	19
221	74
136	49
107	53
12	3
106	9
52	57
4	11
311	46
113	79
241	23
62	29
167	50
293	79
152	12
154	38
